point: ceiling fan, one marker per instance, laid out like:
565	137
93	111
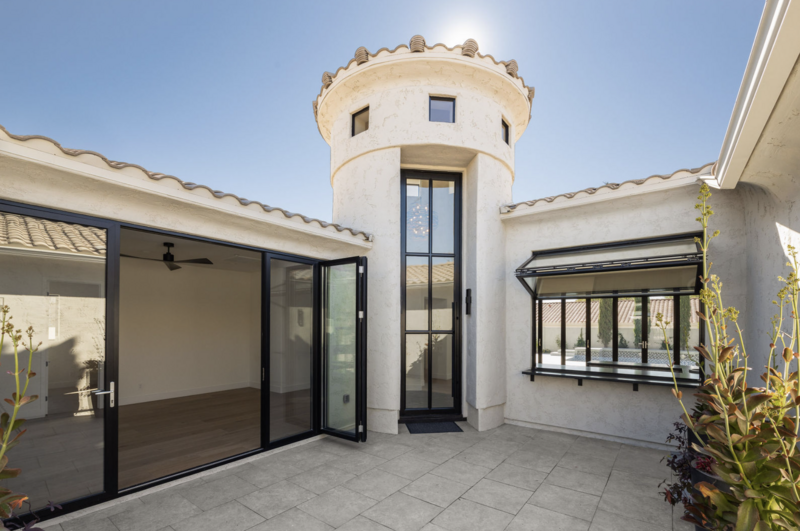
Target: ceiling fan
169	259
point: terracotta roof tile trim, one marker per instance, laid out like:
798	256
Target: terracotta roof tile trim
186	185
610	186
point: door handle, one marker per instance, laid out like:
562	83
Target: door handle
110	392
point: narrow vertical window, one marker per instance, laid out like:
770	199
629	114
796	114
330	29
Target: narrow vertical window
505	131
360	121
442	110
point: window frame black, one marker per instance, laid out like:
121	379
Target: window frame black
441	98
353	117
506	132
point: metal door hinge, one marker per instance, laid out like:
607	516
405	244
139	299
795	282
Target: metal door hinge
360	314
360	270
360	428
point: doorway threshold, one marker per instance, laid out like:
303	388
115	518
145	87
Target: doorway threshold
432	418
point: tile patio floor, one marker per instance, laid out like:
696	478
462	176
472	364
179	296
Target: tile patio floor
510	478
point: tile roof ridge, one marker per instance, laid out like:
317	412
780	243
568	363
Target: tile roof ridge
117	165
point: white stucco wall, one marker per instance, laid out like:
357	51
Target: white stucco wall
608	408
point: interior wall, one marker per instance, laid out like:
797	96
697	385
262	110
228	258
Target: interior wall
185	332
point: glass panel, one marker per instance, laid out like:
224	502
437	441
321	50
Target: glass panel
339	347
291	326
417	275
443	110
631	281
53	279
632	252
443	218
189	355
602	330
576	332
629	330
416	371
656	342
442	370
690	329
417	215
442	306
551	333
361	121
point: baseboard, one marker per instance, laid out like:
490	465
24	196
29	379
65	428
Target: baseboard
590	434
126	401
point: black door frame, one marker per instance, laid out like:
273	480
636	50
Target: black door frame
432	413
111	415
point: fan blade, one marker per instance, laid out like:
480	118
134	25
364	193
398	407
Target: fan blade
141	258
172	266
196	261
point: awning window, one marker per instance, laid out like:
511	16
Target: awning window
665	265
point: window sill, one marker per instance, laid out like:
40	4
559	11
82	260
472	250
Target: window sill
620	372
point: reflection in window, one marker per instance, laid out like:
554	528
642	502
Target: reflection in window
417	215
575	332
689	324
551	333
442	109
504	131
360	121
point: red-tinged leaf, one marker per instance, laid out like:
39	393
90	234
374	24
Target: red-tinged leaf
31	375
714	431
701	315
33	398
726	354
747	517
9	473
756	400
790	424
3	463
9	402
25	400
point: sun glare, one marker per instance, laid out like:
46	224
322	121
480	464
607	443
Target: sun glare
460	30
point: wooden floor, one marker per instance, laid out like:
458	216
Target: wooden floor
168	436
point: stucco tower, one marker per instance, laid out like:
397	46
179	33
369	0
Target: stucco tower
396	121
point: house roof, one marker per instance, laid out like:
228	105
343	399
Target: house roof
576	311
25	231
418	274
155	176
607	188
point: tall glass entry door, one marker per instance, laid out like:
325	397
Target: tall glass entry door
430	283
343	348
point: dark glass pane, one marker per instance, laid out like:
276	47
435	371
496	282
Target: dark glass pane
291	328
361	121
443	110
443	218
551	332
657	344
442	370
418	226
416	371
576	332
505	132
417	275
339	348
690	329
442	304
629	330
53	279
602	330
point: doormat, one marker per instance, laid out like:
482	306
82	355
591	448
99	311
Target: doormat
433	427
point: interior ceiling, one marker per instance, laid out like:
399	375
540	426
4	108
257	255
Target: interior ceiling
151	245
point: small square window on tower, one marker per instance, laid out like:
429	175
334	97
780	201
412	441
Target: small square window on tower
442	110
360	121
505	131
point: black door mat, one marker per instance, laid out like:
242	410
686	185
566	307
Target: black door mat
433	427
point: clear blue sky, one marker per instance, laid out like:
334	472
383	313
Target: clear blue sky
219	92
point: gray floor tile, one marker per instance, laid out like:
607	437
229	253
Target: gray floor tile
377	484
359	523
293	519
321	479
458	441
337	506
576	480
585	462
275	499
482	456
523	478
543	462
436	490
637	507
232	516
357	462
461	471
263	474
466	515
155	515
623	482
102	524
217	492
433	453
565	501
306	458
407	467
55	527
533	518
433	527
646	461
401	512
605	521
80	523
555	439
592	446
338	446
498	496
386	449
677	523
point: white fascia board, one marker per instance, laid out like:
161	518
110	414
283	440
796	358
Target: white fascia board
774	54
201	198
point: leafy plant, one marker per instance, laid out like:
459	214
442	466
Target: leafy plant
750	432
581	341
680	462
605	325
10	424
622	343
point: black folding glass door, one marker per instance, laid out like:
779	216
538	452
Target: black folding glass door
343	325
430	284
